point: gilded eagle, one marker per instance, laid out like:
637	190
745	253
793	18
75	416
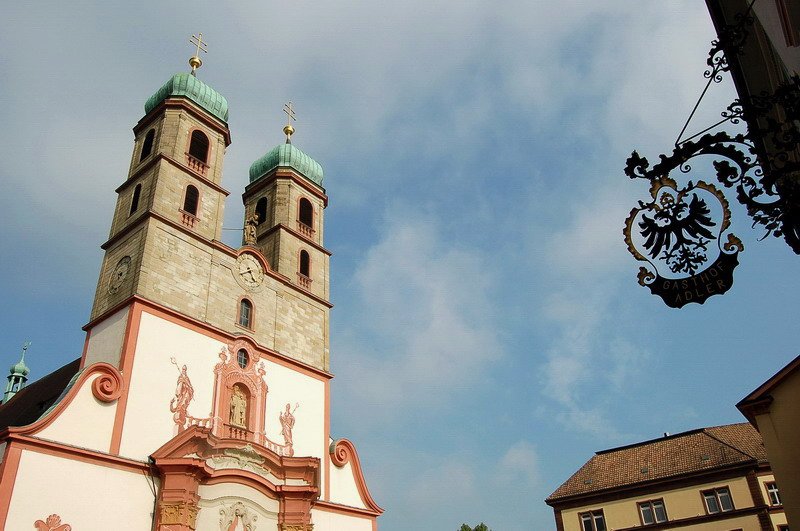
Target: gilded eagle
685	224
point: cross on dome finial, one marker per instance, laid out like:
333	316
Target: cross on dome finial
194	61
288	130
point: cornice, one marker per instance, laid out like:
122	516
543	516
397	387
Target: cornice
216	332
186	169
183	103
284	173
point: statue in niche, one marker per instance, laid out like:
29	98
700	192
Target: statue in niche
238	410
287	423
184	392
250	230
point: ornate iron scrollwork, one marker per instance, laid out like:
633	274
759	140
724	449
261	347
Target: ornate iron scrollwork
762	166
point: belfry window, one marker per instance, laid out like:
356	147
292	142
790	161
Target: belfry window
261	210
306	214
147	145
135	200
305	263
190	200
198	146
245	313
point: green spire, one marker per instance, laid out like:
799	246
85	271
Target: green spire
18	376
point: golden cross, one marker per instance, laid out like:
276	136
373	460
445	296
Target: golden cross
198	40
195	61
288	129
289	110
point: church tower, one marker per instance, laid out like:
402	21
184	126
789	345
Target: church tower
170	207
285	201
203	390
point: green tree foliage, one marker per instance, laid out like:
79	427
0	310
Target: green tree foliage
480	527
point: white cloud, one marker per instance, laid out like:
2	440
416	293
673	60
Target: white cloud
519	465
429	329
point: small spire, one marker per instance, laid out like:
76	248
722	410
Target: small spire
194	61
288	130
19	375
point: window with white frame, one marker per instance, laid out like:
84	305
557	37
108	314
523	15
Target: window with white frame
653	512
593	521
772	491
718	500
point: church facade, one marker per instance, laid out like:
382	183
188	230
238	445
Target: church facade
201	400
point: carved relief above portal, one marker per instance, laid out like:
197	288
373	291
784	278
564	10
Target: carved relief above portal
237	517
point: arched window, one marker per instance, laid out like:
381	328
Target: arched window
305	263
198	146
147	145
135	200
190	200
306	214
245	313
261	210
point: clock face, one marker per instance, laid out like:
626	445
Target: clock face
119	274
250	273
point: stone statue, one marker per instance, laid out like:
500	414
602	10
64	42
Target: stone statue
250	230
287	423
238	413
184	392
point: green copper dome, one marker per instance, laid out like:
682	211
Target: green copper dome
189	86
19	368
287	156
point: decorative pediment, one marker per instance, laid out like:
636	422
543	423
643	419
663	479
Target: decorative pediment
216	456
196	456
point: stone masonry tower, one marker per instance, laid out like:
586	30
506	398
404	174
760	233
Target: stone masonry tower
285	201
170	208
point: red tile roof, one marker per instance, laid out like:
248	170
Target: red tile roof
693	451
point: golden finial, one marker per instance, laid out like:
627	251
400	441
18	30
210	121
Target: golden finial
194	61
288	130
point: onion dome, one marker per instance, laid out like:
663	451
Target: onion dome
188	86
20	369
287	156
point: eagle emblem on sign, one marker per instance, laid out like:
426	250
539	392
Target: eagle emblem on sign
689	254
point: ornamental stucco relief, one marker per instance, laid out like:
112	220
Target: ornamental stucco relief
240	396
237	517
52	523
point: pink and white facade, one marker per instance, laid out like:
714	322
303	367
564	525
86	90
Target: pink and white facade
202	401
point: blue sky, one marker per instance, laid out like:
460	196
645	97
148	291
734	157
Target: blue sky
489	333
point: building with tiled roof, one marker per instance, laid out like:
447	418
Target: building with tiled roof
773	410
709	478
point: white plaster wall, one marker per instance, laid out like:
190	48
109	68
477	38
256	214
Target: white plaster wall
105	341
84	495
330	521
148	420
86	421
343	486
216	497
289	386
